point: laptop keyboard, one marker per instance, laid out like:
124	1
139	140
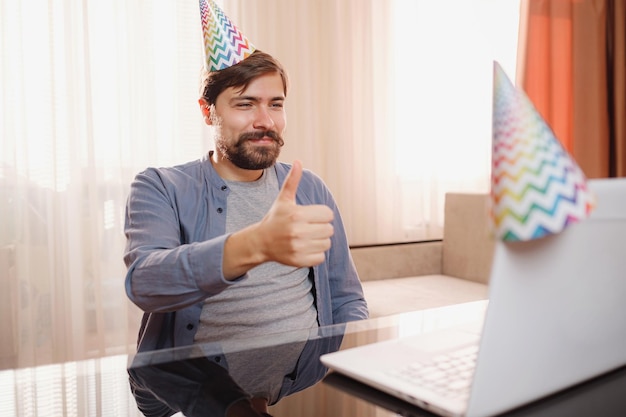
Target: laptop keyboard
449	375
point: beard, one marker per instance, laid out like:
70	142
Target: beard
245	154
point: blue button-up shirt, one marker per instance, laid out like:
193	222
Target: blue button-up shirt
175	228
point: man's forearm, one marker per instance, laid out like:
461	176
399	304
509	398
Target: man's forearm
242	252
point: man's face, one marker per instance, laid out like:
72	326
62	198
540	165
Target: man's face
249	124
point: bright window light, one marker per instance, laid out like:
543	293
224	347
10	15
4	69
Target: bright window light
444	57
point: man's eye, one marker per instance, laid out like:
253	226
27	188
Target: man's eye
244	105
278	105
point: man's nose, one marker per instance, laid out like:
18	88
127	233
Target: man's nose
263	119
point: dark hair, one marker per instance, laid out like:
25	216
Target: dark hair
240	75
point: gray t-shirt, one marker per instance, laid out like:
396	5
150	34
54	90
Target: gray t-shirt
274	298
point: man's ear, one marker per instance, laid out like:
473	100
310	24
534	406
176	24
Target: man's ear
206	110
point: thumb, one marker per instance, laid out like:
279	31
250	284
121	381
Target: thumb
290	186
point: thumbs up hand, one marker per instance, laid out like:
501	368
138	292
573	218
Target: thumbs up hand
289	234
292	234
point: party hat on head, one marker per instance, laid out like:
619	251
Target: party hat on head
224	44
537	189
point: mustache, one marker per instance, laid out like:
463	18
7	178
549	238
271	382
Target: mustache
260	135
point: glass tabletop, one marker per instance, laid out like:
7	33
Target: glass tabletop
204	379
314	392
283	367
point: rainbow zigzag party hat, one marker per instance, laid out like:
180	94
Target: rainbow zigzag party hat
224	44
537	189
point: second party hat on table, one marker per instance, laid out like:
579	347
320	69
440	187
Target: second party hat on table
224	44
537	189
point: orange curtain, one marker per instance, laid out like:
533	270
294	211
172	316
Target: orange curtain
573	67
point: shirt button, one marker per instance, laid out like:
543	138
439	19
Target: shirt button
218	359
190	326
224	188
219	210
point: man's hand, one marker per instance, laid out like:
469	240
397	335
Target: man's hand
292	234
289	234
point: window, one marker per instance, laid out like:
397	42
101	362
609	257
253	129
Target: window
444	52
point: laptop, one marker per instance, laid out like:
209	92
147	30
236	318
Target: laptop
555	318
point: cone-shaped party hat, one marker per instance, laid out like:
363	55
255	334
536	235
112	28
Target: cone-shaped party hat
224	44
537	189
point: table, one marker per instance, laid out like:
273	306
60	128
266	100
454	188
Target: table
100	387
339	396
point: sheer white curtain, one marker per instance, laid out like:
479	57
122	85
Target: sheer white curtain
91	93
385	105
443	96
